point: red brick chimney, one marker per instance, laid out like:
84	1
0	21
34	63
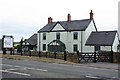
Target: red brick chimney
68	17
91	15
49	20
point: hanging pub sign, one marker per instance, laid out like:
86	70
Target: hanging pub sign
7	41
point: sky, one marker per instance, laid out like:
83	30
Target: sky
23	18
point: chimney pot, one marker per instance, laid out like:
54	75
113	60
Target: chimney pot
69	18
49	20
91	15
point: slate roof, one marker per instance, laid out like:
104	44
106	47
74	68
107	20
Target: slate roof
73	25
32	40
102	38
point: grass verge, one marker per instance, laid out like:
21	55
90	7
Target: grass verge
33	58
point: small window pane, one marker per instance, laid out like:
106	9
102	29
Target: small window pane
75	35
75	47
44	47
58	36
44	36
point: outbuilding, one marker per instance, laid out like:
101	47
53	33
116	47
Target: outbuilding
104	40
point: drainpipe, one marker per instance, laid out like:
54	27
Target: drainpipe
111	48
81	41
39	44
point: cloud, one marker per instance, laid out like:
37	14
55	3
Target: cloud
26	17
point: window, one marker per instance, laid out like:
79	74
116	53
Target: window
75	47
97	48
58	36
44	36
75	35
44	47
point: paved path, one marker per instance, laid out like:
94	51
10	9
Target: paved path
105	65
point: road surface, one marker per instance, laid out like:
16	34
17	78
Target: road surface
33	69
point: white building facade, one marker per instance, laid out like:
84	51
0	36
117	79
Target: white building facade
72	33
75	35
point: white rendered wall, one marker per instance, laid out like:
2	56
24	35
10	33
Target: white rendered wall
58	27
67	38
86	34
115	44
105	48
37	41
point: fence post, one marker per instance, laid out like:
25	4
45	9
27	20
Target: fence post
4	51
78	55
111	56
65	56
10	51
39	53
13	51
94	57
46	54
118	58
55	55
30	53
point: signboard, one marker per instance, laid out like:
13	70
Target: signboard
7	42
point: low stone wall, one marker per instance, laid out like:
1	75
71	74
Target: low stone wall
116	57
73	57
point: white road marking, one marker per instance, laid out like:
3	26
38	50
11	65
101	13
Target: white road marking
42	70
15	72
6	65
10	69
17	66
113	77
92	77
94	68
22	67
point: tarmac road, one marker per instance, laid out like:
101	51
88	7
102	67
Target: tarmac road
34	69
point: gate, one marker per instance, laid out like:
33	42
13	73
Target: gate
86	57
95	57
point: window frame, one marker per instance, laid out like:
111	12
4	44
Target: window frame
75	35
75	47
44	47
44	36
58	36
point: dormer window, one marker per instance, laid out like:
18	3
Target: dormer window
44	36
75	35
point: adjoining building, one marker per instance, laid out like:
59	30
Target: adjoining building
104	40
71	35
30	43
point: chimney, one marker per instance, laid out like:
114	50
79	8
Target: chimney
68	17
49	20
91	15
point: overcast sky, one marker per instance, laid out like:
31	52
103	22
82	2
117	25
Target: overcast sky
22	18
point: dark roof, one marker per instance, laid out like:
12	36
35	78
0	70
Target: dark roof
32	40
103	38
74	25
